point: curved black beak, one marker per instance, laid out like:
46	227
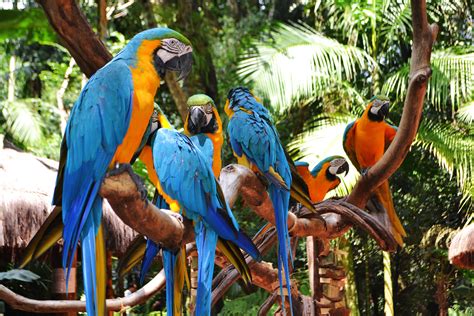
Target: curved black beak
181	64
197	119
384	109
343	168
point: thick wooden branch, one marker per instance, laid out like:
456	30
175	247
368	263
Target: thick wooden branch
19	302
237	180
76	34
424	36
159	225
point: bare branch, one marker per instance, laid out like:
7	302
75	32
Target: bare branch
19	302
159	225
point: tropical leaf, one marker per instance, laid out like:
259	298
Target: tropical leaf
451	83
299	63
18	275
453	148
23	121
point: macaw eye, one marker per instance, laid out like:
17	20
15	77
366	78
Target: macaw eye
208	108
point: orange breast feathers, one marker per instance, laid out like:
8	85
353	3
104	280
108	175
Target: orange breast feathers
369	141
217	140
318	186
145	83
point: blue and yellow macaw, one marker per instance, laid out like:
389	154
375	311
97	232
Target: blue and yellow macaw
255	143
324	176
365	141
186	179
203	123
105	129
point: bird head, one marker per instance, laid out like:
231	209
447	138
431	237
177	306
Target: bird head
378	108
332	167
242	99
168	49
202	115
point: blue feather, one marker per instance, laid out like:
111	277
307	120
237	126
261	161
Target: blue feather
206	243
151	251
169	264
252	134
185	175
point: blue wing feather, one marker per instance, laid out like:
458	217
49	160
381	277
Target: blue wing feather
253	135
97	125
185	175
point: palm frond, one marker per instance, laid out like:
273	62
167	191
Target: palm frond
22	121
451	83
298	63
454	150
466	113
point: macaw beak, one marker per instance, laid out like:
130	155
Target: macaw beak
384	109
181	64
198	119
343	168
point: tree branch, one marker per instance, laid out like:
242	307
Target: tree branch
20	302
159	225
76	34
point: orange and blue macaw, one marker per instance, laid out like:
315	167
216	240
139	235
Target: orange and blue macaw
185	178
256	144
106	126
365	141
323	177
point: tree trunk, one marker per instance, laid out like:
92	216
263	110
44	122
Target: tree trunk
351	288
59	279
11	79
388	288
102	23
60	95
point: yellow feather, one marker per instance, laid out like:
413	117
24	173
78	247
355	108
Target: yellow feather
101	271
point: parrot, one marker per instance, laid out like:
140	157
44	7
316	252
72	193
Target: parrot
256	145
203	122
186	178
175	270
50	231
365	141
324	176
105	128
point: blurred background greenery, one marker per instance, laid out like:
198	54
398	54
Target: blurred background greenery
315	64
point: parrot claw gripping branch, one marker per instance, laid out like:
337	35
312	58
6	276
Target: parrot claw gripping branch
339	215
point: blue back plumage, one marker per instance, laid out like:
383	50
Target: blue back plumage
97	125
204	143
185	175
253	135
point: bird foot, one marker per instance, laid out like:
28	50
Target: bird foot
125	167
178	216
364	171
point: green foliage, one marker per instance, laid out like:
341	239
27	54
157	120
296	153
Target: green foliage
18	275
31	24
298	62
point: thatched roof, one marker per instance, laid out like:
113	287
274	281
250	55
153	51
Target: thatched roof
461	250
26	188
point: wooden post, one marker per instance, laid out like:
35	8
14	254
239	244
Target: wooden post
59	279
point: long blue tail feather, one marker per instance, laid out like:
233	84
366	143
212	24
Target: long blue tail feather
206	243
169	264
280	199
88	267
151	251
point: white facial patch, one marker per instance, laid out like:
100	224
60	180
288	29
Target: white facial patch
335	165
